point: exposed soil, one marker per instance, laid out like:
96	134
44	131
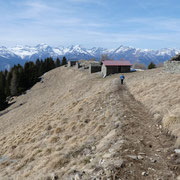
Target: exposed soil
159	92
144	138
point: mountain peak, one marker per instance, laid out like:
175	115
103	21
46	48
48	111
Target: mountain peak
43	51
3	47
75	47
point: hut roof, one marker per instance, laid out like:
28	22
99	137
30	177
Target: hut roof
117	63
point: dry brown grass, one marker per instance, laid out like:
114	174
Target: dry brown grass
159	91
56	121
71	113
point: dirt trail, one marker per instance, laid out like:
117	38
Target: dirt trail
145	142
159	92
81	126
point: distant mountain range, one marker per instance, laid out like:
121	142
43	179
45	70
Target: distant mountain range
21	54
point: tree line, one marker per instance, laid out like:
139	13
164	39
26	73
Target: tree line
20	78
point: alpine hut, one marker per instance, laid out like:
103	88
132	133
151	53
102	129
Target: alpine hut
112	67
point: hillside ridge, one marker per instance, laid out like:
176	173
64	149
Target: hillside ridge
78	125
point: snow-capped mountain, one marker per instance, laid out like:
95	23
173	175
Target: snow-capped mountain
8	58
21	54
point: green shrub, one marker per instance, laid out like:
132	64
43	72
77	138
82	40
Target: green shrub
151	65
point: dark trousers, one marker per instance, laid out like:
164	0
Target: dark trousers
122	81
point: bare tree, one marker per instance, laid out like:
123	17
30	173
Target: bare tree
104	57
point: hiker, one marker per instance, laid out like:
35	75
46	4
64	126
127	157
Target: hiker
122	78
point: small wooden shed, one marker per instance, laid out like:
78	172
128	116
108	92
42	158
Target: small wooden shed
112	67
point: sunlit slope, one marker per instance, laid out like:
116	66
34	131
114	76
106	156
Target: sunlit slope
74	124
54	121
159	91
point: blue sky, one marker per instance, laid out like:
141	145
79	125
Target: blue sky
148	24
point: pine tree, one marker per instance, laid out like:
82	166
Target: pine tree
3	94
3	103
2	91
14	85
42	68
51	63
57	63
46	65
38	65
151	65
64	61
8	82
175	58
2	81
20	80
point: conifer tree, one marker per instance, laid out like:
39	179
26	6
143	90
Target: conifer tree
51	63
151	65
3	103
57	63
38	65
19	78
8	82
2	81
14	85
42	68
46	65
64	61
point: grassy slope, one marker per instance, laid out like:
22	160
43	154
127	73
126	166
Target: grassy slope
160	93
77	121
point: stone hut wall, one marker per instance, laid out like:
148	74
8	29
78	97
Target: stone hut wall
172	66
93	68
71	63
104	70
78	65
